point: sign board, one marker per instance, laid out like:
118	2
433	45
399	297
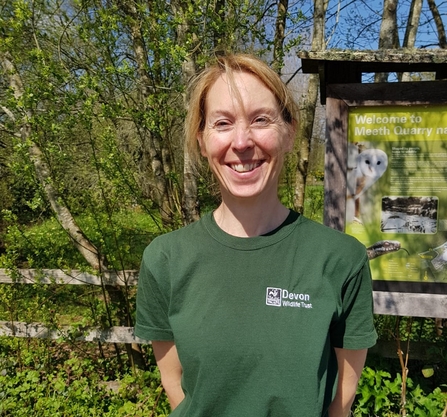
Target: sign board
386	184
396	201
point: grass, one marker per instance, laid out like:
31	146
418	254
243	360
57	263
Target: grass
121	237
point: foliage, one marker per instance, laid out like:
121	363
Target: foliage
103	92
122	237
46	245
314	202
379	394
44	378
69	384
381	385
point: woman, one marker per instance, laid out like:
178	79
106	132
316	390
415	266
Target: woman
253	310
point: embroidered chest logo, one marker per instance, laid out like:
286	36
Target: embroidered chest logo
279	297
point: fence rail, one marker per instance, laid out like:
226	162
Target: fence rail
74	277
121	334
116	334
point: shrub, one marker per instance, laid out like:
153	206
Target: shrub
378	394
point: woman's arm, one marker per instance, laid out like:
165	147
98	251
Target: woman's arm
350	366
168	362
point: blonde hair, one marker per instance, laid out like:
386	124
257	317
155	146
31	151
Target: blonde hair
228	64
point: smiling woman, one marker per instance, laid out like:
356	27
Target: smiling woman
253	310
244	141
243	119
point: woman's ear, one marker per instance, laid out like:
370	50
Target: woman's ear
201	144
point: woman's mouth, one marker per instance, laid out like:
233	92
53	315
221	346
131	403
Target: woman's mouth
247	167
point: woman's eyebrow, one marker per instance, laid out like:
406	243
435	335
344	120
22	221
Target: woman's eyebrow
218	112
263	110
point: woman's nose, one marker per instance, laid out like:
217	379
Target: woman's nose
243	138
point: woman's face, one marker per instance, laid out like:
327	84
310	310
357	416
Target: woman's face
245	139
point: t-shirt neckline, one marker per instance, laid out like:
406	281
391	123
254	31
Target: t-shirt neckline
252	243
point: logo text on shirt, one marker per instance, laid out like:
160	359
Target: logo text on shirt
279	297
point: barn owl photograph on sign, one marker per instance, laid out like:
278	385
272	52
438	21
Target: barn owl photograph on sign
364	167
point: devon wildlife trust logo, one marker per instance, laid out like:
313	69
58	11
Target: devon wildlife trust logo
279	297
273	297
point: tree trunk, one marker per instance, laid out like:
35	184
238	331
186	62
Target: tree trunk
411	31
308	108
151	140
190	203
278	41
189	70
389	37
439	24
412	24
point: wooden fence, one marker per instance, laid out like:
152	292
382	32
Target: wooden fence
116	334
121	334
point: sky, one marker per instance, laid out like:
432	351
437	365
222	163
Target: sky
355	24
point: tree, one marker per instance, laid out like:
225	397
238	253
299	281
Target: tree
412	24
278	41
411	31
186	36
439	24
308	108
389	35
25	106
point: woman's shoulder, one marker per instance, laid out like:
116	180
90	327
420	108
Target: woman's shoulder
328	238
323	230
182	236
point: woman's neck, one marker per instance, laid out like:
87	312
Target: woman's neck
249	220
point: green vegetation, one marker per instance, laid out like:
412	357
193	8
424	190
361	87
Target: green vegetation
401	385
379	394
314	202
121	238
42	378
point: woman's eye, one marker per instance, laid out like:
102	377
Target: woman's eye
261	120
222	124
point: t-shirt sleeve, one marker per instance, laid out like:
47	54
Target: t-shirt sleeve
152	307
354	327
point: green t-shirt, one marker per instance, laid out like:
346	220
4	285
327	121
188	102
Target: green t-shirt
255	319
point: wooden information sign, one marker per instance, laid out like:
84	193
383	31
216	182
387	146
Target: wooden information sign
386	175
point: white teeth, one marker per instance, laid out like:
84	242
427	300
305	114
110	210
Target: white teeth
245	167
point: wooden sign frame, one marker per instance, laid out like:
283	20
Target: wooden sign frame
419	299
